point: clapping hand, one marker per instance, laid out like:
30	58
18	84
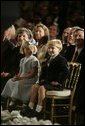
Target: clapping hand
4	74
54	83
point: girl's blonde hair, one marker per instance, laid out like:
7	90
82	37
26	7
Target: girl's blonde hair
27	44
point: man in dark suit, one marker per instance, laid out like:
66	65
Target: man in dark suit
79	38
70	56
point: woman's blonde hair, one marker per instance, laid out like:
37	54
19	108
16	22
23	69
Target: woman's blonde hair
27	44
46	30
23	29
55	42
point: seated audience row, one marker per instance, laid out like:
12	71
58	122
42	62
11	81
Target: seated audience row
40	51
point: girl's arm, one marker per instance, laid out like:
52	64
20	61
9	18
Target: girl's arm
28	75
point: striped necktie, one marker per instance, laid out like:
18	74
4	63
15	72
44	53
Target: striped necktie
75	56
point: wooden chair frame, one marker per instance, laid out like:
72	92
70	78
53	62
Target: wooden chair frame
70	84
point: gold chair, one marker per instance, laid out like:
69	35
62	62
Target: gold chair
63	100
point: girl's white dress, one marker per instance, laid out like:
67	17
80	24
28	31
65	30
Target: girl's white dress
21	89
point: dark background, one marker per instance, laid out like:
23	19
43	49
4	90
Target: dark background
70	12
10	12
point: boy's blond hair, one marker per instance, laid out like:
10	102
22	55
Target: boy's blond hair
55	42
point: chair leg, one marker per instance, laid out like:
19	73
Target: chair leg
70	116
74	119
44	108
52	110
8	101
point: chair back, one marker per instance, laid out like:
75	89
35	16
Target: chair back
72	80
74	72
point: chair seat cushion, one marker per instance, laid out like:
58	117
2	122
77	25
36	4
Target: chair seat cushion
65	92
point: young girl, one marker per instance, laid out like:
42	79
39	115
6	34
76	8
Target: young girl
20	85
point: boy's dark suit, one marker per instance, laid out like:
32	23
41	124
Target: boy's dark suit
56	70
